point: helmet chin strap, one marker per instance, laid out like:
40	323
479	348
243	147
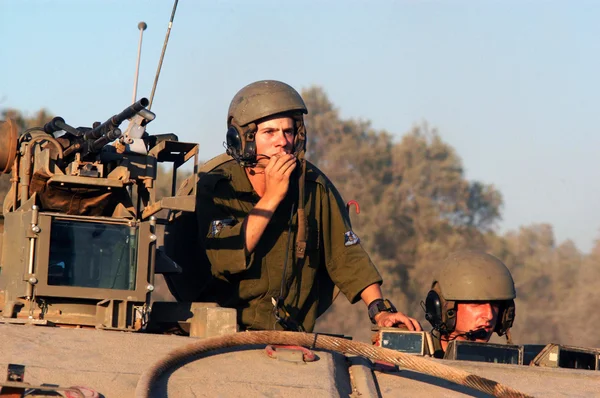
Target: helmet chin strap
300	151
508	337
301	237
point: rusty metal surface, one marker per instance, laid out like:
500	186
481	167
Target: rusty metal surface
8	143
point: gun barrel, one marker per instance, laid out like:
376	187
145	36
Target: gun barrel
98	144
54	125
116	120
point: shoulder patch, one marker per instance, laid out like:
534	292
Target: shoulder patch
350	238
217	225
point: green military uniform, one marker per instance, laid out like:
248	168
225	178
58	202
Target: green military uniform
248	282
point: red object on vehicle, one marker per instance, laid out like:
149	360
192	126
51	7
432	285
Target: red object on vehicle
355	203
307	355
79	391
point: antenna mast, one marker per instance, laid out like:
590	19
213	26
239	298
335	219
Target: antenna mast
162	55
142	27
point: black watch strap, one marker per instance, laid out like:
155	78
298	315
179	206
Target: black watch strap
380	305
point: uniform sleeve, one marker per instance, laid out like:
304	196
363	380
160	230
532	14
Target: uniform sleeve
221	233
348	265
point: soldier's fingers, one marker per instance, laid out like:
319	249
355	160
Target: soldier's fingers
271	164
415	324
405	320
283	163
289	167
278	160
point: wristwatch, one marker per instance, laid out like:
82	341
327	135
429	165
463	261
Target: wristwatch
380	305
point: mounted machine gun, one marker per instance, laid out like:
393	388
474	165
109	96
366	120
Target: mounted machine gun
80	231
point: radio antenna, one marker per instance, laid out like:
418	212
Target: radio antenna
162	55
142	27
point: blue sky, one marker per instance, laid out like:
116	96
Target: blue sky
512	85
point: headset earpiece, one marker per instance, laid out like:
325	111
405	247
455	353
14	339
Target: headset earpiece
433	309
440	313
506	317
250	143
234	142
241	144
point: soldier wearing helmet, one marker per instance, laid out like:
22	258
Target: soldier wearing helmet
274	231
471	297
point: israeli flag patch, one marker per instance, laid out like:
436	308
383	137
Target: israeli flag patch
217	225
350	238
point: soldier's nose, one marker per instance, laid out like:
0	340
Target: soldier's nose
281	141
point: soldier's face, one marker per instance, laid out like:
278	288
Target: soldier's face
274	136
476	315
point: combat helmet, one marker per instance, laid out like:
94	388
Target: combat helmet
470	276
258	101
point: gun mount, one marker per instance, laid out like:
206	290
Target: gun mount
80	222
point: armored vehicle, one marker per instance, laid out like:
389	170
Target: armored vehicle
81	249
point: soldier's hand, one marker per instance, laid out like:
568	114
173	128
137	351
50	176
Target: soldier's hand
391	319
277	175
